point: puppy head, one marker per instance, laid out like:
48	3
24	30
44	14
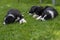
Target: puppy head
39	10
9	20
32	10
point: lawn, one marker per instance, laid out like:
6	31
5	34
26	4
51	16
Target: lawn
33	29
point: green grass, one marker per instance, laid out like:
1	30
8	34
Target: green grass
33	29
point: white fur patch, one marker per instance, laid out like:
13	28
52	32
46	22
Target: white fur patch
44	16
42	19
34	16
4	23
30	14
38	18
17	18
51	12
11	15
22	21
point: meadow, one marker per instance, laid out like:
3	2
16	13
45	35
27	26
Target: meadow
33	29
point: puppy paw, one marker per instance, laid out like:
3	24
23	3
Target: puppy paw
38	18
22	21
34	16
42	19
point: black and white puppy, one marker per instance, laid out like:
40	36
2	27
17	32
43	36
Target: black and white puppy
48	13
36	11
12	16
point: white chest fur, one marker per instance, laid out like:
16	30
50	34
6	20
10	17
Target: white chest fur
51	12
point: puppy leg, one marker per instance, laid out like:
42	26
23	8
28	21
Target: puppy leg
38	18
43	18
22	21
18	18
34	16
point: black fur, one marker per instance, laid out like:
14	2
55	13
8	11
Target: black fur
36	9
15	13
44	12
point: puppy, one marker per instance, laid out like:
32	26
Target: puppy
36	11
12	16
48	13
